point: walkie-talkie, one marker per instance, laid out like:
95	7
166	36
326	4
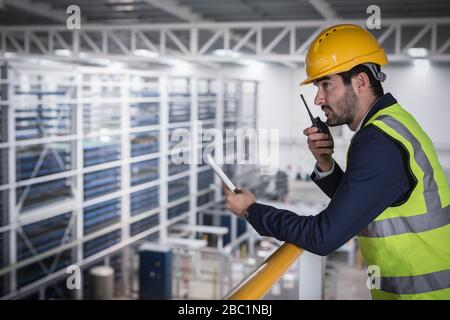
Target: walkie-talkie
316	122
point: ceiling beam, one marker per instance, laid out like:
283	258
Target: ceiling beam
41	9
173	8
324	8
185	13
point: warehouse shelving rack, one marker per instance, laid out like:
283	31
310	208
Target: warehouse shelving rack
86	168
239	99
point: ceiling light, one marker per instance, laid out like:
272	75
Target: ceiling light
9	54
102	61
63	52
145	53
124	8
226	53
418	52
121	1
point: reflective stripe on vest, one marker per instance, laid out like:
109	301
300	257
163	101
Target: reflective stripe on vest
416	284
435	217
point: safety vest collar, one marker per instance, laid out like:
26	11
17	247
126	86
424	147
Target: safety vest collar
384	101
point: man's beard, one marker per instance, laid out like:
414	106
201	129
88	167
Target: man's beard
344	111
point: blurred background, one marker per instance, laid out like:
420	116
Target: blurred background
92	203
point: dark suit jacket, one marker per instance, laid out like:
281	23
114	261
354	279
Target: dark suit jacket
376	177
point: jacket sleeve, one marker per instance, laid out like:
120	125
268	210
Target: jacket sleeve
375	179
330	183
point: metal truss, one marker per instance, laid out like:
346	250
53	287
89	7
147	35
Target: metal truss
284	42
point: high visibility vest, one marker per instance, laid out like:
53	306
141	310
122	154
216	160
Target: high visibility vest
408	244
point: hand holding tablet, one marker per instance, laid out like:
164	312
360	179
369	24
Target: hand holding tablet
222	175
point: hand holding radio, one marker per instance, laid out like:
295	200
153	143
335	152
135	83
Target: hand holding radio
320	141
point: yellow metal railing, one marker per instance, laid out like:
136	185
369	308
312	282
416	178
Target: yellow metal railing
256	285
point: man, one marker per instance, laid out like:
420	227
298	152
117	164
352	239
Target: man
393	195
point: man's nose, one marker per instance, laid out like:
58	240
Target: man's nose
319	99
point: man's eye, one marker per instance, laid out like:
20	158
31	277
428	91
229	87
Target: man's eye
325	85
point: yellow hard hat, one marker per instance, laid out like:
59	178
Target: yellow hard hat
340	48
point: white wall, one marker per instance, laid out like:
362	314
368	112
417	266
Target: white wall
425	93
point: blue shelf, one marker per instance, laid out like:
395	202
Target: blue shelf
101	215
177	210
229	124
226	222
115	261
205	179
34	271
38	119
181	138
144	114
144	200
96	152
44	193
206	110
154	237
144	143
99	92
102	182
144	224
178	189
179	111
177	168
230	108
4	252
4	285
100	243
4	202
144	171
205	198
3	108
143	88
43	235
28	157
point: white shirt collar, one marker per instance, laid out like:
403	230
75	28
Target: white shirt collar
363	118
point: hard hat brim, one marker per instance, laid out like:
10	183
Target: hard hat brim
378	57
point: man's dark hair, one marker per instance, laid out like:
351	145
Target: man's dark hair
377	89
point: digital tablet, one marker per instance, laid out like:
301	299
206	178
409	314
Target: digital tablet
222	175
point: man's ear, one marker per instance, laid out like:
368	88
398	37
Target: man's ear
361	82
